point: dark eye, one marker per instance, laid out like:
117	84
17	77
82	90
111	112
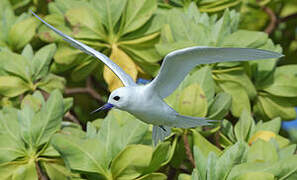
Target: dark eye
116	98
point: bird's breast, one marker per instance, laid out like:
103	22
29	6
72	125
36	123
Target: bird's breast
152	110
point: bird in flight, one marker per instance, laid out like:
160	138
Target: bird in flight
146	102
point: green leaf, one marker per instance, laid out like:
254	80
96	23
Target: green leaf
183	176
83	70
273	125
237	77
281	169
192	101
220	106
28	52
48	120
204	145
68	103
119	122
91	130
12	86
276	107
9	149
15	64
227	129
246	38
56	20
52	82
244	127
159	156
204	78
68	55
131	162
6	170
153	176
240	100
262	151
25	118
110	11
200	162
233	155
256	175
137	13
41	61
35	101
80	155
50	152
85	23
25	172
57	171
22	32
211	166
286	152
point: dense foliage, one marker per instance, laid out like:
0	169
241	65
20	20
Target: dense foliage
48	89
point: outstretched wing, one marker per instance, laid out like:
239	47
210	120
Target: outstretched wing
177	64
119	72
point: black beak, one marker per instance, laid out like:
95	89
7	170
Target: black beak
104	107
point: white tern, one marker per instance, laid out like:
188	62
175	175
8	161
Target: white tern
146	102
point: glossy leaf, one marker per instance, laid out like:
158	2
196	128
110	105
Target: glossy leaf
205	146
138	13
262	151
192	101
244	127
52	82
232	156
131	130
51	114
11	86
220	106
131	162
41	61
124	61
22	32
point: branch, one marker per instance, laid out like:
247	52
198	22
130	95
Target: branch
72	118
40	173
288	18
273	19
188	149
88	90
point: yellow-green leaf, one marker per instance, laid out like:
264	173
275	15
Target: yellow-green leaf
193	101
11	86
21	33
125	62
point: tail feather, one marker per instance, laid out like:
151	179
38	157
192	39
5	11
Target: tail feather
160	133
190	122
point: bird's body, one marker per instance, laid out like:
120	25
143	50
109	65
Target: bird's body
148	107
146	102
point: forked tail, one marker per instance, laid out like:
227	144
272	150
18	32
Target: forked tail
160	133
190	122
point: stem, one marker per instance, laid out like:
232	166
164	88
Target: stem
227	70
40	173
289	17
188	149
71	117
273	20
88	90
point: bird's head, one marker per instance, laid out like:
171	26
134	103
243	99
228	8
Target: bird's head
119	98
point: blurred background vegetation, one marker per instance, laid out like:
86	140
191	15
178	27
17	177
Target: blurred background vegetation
48	89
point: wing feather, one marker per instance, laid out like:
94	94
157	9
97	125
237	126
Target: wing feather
177	64
119	72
